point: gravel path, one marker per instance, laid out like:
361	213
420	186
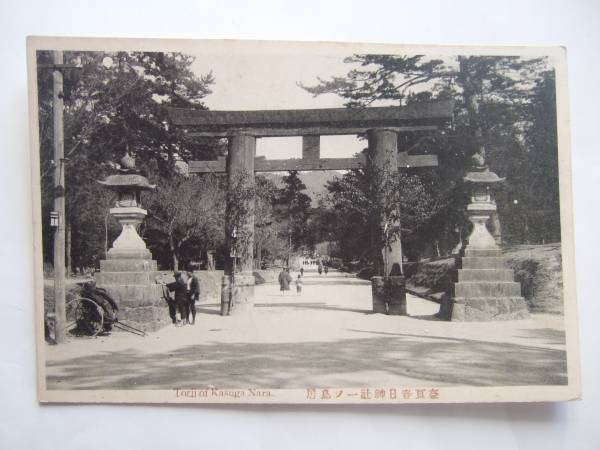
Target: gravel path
327	336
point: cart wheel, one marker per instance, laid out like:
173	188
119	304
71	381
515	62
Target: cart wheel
87	315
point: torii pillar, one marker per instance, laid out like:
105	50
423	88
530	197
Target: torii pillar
389	292
237	295
383	150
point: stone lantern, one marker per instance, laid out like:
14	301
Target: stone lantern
485	289
481	182
129	272
128	185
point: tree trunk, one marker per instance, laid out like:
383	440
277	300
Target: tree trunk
470	93
210	259
258	255
173	253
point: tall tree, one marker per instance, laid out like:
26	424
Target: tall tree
113	102
270	242
357	215
542	139
294	211
186	216
532	193
493	96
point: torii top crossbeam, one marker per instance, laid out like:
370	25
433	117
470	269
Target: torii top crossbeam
311	124
302	122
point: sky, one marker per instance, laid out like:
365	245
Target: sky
269	80
264	76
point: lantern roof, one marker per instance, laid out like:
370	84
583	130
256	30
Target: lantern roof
129	180
482	176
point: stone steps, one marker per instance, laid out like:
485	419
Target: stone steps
125	278
147	318
485	288
477	253
130	281
128	265
488	308
481	262
133	296
485	275
114	254
495	289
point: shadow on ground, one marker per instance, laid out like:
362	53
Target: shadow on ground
335	281
548	336
313	305
429	359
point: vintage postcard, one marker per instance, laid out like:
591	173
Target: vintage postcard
294	222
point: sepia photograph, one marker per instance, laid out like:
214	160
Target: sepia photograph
293	222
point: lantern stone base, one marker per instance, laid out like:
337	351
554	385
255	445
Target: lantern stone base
485	290
389	295
129	245
237	294
131	282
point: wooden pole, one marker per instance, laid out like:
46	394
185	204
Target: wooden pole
68	261
59	201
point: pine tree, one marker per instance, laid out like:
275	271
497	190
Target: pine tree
111	108
493	115
293	207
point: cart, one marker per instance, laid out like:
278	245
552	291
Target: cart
95	312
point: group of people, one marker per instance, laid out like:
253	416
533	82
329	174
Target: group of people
186	294
323	268
285	279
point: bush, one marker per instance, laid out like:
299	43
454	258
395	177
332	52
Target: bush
539	270
366	273
438	276
525	273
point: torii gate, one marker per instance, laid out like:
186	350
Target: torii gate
381	125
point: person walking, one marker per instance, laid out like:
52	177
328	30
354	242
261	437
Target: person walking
193	295
301	271
299	285
326	269
320	269
179	287
284	280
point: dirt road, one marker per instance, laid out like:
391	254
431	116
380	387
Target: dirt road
327	336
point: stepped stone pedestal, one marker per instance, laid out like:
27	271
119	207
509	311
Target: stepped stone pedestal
129	275
485	289
131	282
